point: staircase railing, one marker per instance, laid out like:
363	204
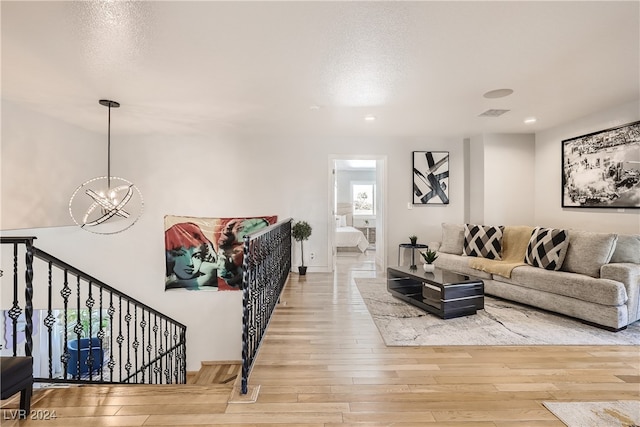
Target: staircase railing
90	332
266	266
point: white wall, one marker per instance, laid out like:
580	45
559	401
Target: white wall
509	179
476	179
43	161
548	183
501	181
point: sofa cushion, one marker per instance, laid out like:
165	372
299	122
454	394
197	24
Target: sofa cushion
578	286
483	241
627	249
547	248
588	251
452	238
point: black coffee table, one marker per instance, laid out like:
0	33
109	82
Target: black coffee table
443	293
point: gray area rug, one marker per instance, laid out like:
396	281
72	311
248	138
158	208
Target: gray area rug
500	323
619	413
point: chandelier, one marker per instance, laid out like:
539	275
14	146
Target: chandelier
106	204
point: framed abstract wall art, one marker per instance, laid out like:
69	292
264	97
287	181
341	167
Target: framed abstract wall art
207	253
602	169
430	177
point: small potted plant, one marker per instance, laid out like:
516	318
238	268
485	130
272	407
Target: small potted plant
429	257
413	239
301	231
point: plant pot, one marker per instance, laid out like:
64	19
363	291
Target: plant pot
302	270
428	267
85	345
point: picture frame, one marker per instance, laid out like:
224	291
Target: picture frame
430	178
602	169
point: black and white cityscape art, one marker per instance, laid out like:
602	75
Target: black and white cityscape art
602	169
430	177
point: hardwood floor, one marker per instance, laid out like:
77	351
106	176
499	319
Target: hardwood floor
323	363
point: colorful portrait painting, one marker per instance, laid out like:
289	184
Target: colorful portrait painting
206	253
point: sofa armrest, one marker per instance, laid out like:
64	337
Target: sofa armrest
629	275
434	246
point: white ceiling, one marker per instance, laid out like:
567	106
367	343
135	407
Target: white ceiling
256	68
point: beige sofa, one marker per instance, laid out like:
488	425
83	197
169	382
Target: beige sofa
598	281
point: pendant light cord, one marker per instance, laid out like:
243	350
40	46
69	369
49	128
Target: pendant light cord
109	152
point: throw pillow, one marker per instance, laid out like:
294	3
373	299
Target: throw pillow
588	251
483	241
452	239
627	249
547	248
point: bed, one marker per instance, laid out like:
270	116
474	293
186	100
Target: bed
350	237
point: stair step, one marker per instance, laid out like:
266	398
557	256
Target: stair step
216	372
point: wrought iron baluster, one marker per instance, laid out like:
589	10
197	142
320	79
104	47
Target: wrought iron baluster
90	303
28	294
65	293
120	338
143	326
136	343
78	328
111	311
128	365
184	355
151	356
157	368
101	333
15	311
245	317
175	342
167	368
49	321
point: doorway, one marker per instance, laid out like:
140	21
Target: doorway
357	208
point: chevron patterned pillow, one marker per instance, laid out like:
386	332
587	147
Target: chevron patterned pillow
547	248
483	241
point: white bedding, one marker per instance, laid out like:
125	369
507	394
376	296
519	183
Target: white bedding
350	237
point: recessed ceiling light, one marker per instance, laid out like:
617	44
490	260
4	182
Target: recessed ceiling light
369	118
498	93
530	120
314	107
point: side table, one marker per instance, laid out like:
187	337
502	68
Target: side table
413	249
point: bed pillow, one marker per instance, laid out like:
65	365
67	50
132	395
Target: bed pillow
483	241
342	220
547	248
452	239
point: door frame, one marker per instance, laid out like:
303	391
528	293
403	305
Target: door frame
381	211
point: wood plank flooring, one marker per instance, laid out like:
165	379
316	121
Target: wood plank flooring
323	363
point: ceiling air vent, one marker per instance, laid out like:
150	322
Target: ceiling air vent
493	113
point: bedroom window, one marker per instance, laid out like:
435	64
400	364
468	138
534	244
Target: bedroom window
363	199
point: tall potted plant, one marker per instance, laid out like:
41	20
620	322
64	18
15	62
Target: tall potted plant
301	231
